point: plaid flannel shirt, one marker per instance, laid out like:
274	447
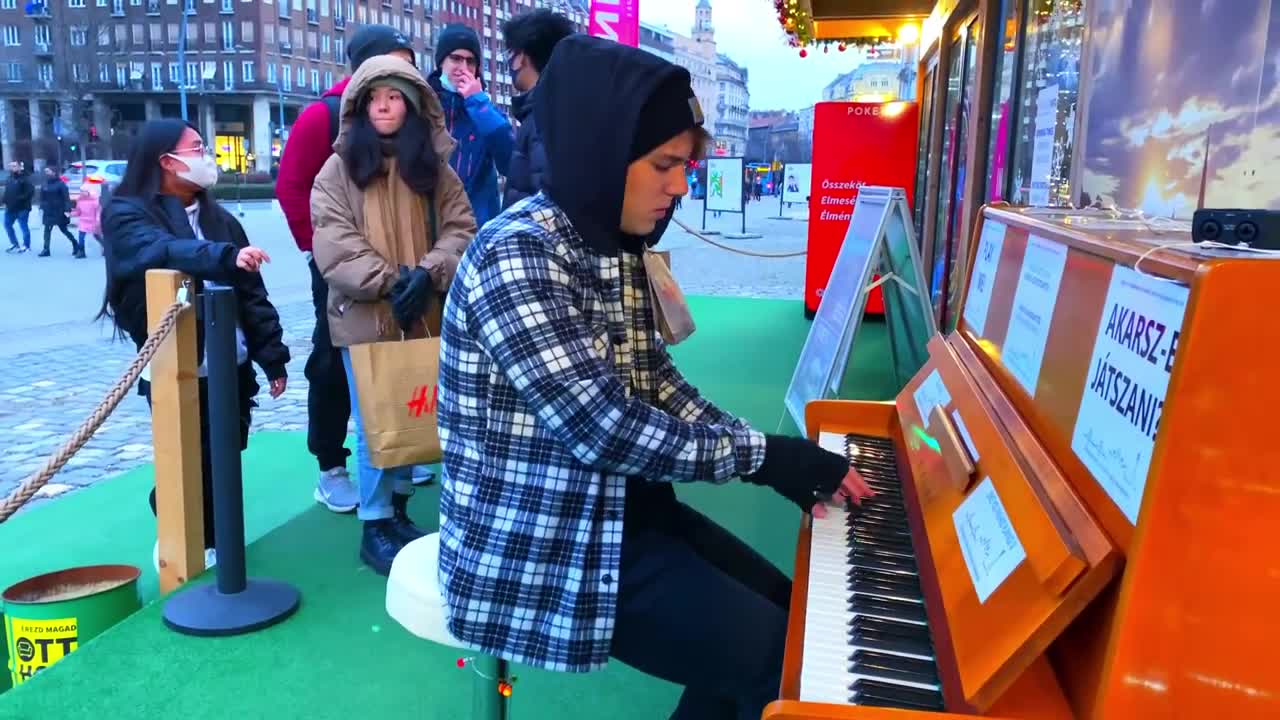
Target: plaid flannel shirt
554	388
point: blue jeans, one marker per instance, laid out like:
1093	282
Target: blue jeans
21	216
376	484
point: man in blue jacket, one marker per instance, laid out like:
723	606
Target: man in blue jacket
484	134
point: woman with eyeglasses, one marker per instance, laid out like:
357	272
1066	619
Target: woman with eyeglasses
162	216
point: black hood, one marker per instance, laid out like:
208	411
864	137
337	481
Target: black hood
588	100
522	105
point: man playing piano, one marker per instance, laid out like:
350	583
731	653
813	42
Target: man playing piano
564	422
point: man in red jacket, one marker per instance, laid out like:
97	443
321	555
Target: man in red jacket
309	146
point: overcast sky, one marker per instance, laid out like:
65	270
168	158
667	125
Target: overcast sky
748	32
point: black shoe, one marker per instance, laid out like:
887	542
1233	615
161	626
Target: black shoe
43	253
379	545
404	526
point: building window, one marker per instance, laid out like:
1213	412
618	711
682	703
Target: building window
175	34
175	73
15	72
271	74
1003	113
122	75
1049	84
9	4
46	73
246	71
43	38
193	75
246	32
104	73
315	81
269	34
287	72
228	6
157	76
75	3
228	74
11	37
228	35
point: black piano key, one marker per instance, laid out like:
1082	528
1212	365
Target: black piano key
900	609
902	584
917	636
882	694
893	667
898	560
882	563
890	642
883	545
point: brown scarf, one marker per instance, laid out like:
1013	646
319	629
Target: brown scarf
395	224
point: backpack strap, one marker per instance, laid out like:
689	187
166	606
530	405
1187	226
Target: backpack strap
334	102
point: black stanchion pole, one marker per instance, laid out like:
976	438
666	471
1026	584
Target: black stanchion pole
235	604
224	437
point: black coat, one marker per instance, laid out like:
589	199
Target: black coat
55	201
528	171
148	235
18	193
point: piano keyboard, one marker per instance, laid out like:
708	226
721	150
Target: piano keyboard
866	636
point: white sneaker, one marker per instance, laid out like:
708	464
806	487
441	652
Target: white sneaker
423	475
210	557
335	491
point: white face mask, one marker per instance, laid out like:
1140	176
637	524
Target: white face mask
202	171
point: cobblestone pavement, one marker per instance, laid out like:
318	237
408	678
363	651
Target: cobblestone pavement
56	365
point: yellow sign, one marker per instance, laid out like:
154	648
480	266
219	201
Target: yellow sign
36	644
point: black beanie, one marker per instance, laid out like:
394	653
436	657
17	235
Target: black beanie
457	37
374	40
671	109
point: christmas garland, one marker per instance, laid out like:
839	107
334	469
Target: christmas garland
793	16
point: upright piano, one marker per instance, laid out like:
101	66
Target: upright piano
1078	495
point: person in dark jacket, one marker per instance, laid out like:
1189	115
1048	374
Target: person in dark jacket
310	145
55	204
161	216
562	543
530	37
483	134
18	195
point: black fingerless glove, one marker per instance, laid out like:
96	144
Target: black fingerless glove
410	303
799	470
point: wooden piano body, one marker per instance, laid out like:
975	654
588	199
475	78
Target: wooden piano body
1132	599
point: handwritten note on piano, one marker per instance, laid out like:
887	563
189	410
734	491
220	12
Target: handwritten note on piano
988	542
985	264
931	393
1033	305
1128	376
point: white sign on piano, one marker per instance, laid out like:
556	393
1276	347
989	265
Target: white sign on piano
931	393
1032	313
983	280
991	548
1128	375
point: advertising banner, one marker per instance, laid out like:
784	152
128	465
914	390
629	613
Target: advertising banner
854	144
617	20
795	183
724	184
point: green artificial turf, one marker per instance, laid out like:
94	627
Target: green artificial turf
341	656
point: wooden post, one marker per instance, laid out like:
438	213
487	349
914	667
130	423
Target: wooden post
175	437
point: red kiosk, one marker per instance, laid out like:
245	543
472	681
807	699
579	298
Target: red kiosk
854	144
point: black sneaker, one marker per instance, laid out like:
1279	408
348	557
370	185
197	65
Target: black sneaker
404	526
380	544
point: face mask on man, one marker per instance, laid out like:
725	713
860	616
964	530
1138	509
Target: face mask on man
201	171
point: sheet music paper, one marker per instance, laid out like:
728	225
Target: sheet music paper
1128	376
985	265
991	548
1032	312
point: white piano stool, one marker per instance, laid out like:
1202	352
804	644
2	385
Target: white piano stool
414	600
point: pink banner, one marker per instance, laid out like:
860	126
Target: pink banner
616	20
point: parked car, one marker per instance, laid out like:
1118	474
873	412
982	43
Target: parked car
112	172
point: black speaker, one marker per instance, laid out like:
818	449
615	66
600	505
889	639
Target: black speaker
1256	228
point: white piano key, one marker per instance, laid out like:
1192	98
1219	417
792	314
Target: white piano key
826	667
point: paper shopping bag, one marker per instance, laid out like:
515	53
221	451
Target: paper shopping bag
397	392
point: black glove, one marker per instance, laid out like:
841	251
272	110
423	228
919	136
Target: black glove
799	470
410	303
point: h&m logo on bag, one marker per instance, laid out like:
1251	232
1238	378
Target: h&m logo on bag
424	400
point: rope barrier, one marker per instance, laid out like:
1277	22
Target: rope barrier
722	246
32	485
